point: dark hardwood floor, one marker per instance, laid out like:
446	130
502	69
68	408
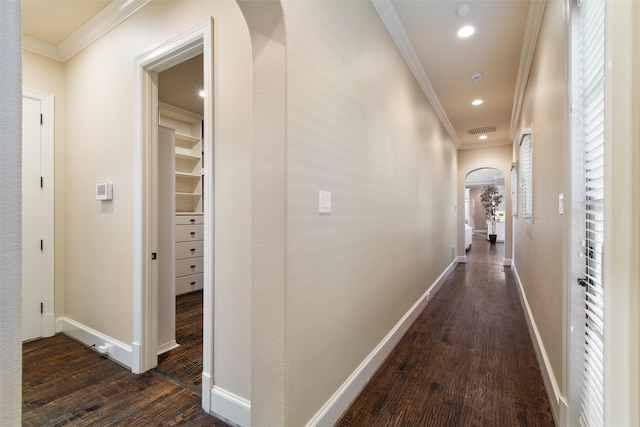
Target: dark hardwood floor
184	364
466	361
65	383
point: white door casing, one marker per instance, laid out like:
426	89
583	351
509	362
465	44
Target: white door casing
191	42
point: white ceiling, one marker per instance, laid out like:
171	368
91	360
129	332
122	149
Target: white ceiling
424	30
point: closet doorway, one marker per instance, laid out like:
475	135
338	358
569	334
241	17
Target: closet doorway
197	40
181	222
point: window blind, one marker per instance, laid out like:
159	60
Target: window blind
514	191
526	176
592	135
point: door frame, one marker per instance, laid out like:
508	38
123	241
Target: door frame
185	45
47	137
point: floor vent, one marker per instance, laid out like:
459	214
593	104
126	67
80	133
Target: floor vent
483	130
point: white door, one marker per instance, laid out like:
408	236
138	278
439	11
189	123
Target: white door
32	244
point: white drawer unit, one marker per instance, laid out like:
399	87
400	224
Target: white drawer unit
188	266
190	283
188	252
189	249
189	233
189	219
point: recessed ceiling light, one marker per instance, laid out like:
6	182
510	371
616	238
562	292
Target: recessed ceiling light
466	31
477	102
201	93
476	76
483	137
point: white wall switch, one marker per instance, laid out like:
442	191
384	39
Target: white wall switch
561	203
324	202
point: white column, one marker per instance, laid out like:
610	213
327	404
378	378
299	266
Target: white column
10	213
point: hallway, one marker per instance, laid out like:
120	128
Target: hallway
466	361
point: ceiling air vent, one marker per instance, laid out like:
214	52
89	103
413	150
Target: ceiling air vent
483	130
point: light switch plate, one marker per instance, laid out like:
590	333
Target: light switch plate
324	202
561	203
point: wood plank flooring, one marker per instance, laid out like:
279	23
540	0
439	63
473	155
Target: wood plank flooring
65	383
184	364
466	361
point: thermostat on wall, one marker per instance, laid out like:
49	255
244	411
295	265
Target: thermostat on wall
104	191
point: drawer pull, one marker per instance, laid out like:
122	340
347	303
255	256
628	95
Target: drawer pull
192	220
193	233
193	283
193	266
192	249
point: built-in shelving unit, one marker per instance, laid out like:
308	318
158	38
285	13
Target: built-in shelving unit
189	173
188	153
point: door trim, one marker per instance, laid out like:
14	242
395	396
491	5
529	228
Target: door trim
191	42
47	136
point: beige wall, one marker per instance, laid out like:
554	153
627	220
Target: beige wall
480	223
359	127
500	158
46	75
540	245
99	143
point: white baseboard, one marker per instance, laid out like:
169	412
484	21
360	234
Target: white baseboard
167	346
461	259
230	407
207	384
342	398
559	404
119	351
506	262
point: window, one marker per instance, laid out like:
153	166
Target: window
591	68
514	190
526	175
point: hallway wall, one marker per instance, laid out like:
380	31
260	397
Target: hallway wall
539	249
337	109
360	127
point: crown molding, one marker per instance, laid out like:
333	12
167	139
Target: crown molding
532	29
101	23
391	20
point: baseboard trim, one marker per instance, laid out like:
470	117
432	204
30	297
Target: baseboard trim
230	407
349	390
558	402
119	351
506	262
461	259
167	346
207	384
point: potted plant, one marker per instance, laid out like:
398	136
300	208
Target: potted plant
490	199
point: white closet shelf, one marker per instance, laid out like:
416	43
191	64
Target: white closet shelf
188	194
190	157
190	176
187	138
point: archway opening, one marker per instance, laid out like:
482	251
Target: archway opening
475	220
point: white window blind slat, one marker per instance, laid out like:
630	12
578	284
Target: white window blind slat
526	176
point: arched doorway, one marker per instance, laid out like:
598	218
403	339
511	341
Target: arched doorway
474	215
